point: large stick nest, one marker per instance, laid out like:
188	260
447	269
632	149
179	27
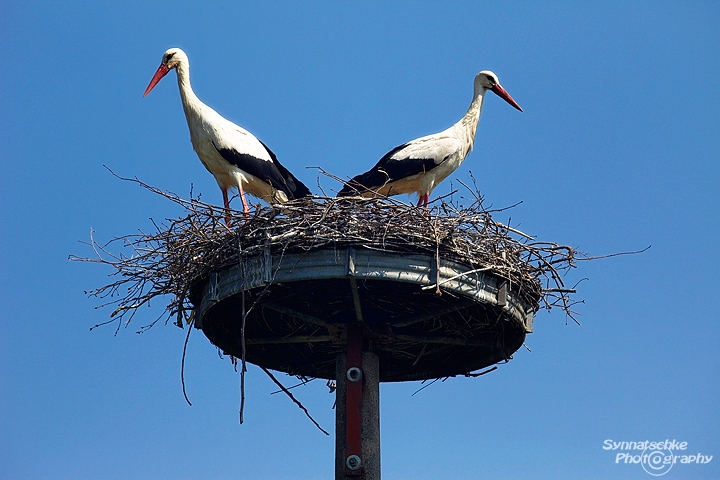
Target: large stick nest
181	253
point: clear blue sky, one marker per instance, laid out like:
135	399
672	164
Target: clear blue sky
617	149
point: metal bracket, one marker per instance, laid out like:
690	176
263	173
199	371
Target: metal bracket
350	262
502	294
356	300
267	264
213	288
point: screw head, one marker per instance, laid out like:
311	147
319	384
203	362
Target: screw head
353	462
354	374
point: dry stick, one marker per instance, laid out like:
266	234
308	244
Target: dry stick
443	197
616	254
182	364
319	169
483	372
301	384
287	392
424	387
473	191
470	272
507	227
317	180
437	269
103	323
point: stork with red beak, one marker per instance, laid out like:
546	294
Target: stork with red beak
232	154
421	164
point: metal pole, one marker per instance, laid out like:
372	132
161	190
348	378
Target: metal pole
371	416
368	457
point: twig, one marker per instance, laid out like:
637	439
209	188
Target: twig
182	364
470	272
424	387
301	384
615	254
559	290
483	372
287	392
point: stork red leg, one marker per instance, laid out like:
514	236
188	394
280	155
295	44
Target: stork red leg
246	209
423	200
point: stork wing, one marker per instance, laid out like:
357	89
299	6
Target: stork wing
419	156
297	188
242	149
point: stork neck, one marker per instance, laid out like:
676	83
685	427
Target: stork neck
190	101
467	125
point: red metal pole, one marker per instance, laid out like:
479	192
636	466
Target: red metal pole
353	402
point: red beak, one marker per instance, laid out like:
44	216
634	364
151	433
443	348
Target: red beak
502	93
161	72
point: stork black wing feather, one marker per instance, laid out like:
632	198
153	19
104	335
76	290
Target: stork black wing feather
265	170
387	170
297	188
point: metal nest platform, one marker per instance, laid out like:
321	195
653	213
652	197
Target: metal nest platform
298	307
436	292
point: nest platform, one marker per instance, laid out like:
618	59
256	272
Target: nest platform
424	320
437	292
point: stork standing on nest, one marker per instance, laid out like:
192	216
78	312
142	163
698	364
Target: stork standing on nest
232	154
421	164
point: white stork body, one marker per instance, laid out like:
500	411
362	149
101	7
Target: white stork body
232	154
421	164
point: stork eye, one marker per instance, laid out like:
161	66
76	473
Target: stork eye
169	56
490	79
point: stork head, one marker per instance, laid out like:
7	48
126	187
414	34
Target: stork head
170	59
489	81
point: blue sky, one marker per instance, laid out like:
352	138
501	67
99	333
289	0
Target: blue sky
617	149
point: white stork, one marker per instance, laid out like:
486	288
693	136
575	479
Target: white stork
421	164
232	154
